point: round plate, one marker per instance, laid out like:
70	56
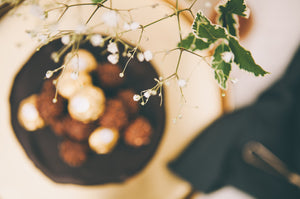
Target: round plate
42	146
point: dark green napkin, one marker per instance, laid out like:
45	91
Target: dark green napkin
214	159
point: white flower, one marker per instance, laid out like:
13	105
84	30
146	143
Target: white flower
126	26
113	58
112	47
140	57
37	11
96	40
181	83
110	18
207	4
134	25
136	97
53	29
74	75
147	94
227	56
80	29
153	92
148	55
43	38
66	39
49	74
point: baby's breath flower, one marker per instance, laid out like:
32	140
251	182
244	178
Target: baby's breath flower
112	48
227	56
80	29
53	29
49	74
110	18
126	26
134	25
37	11
113	58
43	38
147	94
74	75
136	97
153	92
140	57
148	55
96	40
66	39
181	83
207	4
234	80
54	100
54	57
32	33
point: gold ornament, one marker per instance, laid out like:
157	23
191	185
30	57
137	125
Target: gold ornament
28	114
87	104
103	140
69	83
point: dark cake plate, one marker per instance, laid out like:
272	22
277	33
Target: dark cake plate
41	146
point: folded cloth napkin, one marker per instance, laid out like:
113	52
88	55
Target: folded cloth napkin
215	158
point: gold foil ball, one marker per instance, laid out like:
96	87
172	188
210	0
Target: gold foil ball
69	83
28	114
87	104
103	140
83	61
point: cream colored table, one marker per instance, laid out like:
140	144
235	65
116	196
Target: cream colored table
19	178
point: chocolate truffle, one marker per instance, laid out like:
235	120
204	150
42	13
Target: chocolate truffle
73	153
103	140
115	115
138	133
58	126
83	61
28	114
77	130
87	104
109	75
67	86
126	97
47	108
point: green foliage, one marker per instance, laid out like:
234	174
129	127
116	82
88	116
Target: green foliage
99	1
205	34
222	67
228	14
193	43
204	29
244	59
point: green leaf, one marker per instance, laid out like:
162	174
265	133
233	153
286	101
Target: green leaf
244	59
203	29
99	1
228	14
193	43
221	67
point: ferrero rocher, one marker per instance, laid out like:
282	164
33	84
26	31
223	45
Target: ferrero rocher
87	104
83	61
103	140
28	114
67	85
